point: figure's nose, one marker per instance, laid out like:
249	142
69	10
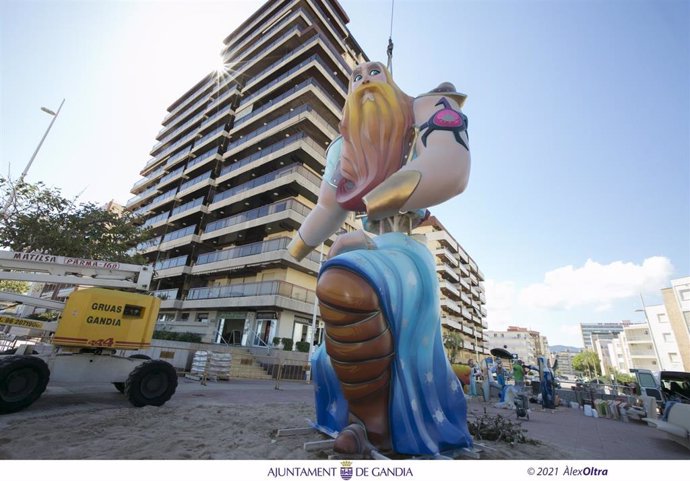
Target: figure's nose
365	81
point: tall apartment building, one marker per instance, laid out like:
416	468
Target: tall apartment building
565	363
236	169
602	330
462	289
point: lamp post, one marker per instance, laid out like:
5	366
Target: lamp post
313	320
31	160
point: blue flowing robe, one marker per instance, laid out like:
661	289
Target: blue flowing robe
428	412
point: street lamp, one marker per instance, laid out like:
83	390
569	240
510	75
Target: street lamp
31	160
313	319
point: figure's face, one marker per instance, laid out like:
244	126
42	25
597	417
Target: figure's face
371	72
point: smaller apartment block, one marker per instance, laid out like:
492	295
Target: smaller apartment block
462	289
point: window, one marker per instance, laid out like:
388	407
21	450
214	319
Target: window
202	317
184	316
685	294
662	318
668	337
673	356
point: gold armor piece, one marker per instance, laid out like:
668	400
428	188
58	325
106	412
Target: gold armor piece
387	199
298	248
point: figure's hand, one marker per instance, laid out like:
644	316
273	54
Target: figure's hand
350	242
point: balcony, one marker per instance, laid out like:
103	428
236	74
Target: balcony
298	114
268	182
157	220
266	293
444	238
273	151
451	306
445	255
177	131
464	270
199	182
194	205
312	60
447	273
172	267
453	324
187	139
277	102
172	176
185	104
202	159
149	245
139	199
161	200
264	252
266	47
450	289
209	137
168	298
249	31
289	208
178	238
150	178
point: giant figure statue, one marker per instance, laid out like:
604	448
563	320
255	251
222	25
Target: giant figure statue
382	379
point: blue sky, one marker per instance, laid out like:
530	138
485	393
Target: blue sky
579	120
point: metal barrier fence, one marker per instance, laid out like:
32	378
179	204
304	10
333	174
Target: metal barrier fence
255	365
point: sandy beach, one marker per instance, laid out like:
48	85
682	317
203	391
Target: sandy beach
238	420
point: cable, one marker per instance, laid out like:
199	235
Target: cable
389	50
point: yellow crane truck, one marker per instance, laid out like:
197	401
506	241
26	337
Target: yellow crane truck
95	324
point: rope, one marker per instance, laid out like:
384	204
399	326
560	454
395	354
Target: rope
389	50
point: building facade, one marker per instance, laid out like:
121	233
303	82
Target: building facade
602	330
462	293
526	344
565	363
235	170
669	326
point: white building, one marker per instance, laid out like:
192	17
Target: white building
669	325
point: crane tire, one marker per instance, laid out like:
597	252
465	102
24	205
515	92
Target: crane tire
22	380
151	383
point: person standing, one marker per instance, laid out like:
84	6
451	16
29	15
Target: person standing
519	375
474	371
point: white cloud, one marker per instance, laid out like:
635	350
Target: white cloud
500	299
596	285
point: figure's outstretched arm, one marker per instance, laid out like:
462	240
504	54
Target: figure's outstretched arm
441	167
320	224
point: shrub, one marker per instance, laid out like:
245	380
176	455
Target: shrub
276	341
177	336
287	344
302	346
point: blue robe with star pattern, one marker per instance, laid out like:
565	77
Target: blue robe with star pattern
428	412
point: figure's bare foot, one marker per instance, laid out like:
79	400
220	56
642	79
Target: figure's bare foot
352	440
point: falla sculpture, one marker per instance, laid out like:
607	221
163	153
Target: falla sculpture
382	379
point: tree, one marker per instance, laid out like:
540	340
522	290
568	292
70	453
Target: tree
40	219
587	362
17	287
453	343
